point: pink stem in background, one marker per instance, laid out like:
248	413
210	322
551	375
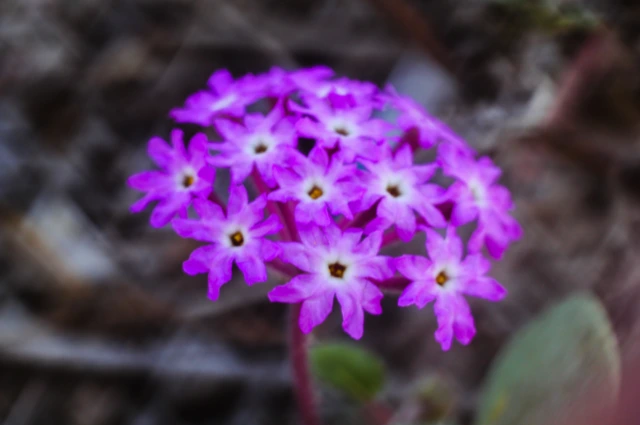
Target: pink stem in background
361	219
389	238
273	207
283	268
302	384
298	354
394	284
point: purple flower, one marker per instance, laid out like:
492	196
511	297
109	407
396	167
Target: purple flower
224	97
239	236
183	175
321	186
352	129
413	117
336	263
263	141
445	277
342	91
476	196
401	188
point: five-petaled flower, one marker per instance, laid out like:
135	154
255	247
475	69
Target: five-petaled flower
183	176
239	236
335	263
476	196
402	188
351	129
319	185
445	277
261	142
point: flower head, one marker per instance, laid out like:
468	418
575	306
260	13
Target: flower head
319	185
351	129
337	264
262	141
476	196
401	188
445	277
224	97
239	236
183	176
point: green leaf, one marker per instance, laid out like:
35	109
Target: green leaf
566	353
348	368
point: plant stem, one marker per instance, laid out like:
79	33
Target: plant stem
302	384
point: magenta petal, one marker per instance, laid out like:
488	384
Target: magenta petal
352	314
463	327
377	268
207	209
378	224
269	226
201	259
445	310
240	170
168	208
193	229
484	287
269	250
312	212
412	266
150	180
229	130
410	294
220	81
252	268
297	289
296	253
371	298
285	177
160	152
315	310
319	157
463	213
238	199
140	204
404	157
406	224
370	245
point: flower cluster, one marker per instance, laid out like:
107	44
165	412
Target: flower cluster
323	212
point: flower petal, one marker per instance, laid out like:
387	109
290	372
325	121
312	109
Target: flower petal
193	229
160	152
315	310
252	268
352	314
296	290
238	199
168	208
412	266
150	180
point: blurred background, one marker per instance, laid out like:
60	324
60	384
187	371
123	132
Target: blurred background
98	323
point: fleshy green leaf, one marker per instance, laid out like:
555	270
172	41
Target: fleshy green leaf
566	353
348	368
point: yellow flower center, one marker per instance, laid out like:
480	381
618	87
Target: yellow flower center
337	270
315	192
188	180
442	278
237	239
394	191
